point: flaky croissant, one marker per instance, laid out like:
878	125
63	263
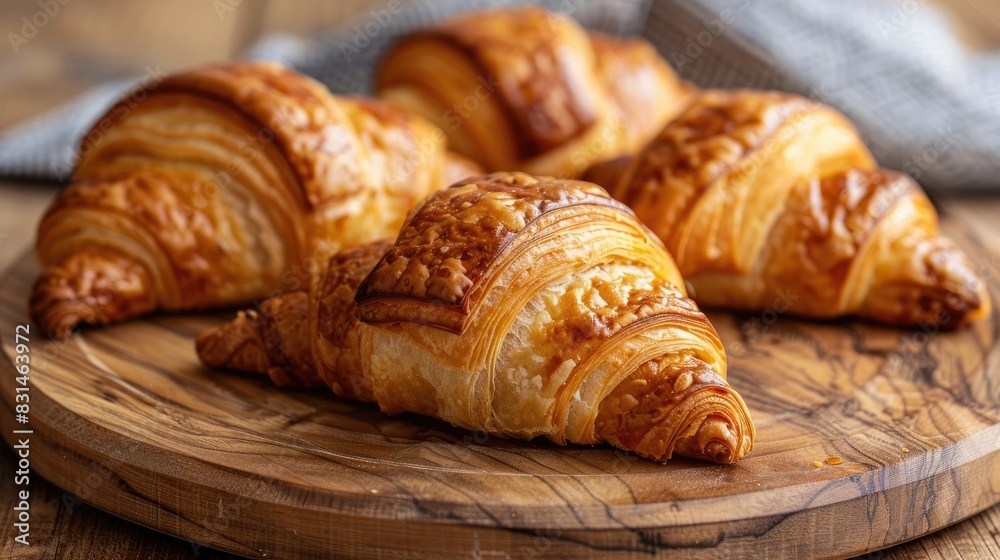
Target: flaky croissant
771	201
219	186
521	306
527	90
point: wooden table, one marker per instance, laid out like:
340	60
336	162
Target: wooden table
87	42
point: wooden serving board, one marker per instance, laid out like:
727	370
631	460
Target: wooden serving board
126	419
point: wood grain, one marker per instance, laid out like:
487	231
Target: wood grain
126	419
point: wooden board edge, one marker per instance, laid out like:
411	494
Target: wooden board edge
189	511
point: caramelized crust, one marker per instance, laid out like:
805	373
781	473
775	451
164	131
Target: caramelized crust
711	146
97	288
716	132
767	199
591	309
552	58
824	232
447	246
337	336
265	340
297	111
223	184
688	404
524	89
270	339
525	307
196	249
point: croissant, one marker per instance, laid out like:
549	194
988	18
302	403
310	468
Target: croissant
521	306
528	90
770	201
221	185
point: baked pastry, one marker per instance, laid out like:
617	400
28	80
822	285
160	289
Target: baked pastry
521	306
220	186
771	201
528	90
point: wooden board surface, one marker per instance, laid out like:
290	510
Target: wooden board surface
126	419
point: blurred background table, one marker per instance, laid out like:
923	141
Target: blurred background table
90	41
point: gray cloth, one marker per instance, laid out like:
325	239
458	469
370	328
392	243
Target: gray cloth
923	104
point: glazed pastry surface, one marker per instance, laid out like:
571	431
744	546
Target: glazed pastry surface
770	201
528	90
220	186
521	306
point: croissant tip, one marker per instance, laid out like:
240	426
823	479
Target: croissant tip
94	287
981	304
723	445
717	439
719	452
974	311
65	328
229	345
959	309
205	345
59	328
57	314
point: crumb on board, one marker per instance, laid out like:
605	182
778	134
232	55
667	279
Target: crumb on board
817	464
906	450
834	460
374	491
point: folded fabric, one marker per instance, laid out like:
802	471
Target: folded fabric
923	104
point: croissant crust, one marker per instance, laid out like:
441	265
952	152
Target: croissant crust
444	249
224	185
525	307
525	89
770	200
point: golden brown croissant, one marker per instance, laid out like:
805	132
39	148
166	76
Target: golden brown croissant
767	200
220	186
521	306
527	90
